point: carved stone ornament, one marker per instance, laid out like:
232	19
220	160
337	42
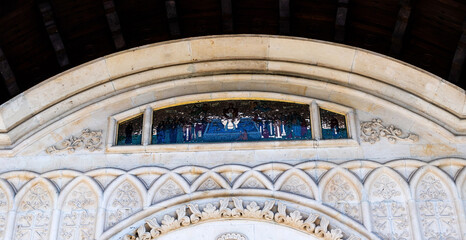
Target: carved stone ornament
372	131
232	236
270	211
89	140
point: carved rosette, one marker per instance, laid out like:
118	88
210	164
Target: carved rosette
372	131
89	140
234	208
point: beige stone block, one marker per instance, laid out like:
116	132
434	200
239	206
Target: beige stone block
140	59
229	48
309	71
396	73
316	53
4	139
14	111
67	84
450	96
430	150
230	66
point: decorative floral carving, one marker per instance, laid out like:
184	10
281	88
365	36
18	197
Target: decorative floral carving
437	214
373	130
252	182
341	195
296	185
209	184
384	187
35	214
232	236
168	190
124	202
78	217
390	218
89	140
253	210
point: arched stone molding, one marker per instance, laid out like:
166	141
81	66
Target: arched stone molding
124	197
316	169
299	214
252	179
231	172
389	205
298	182
341	190
6	204
209	181
79	203
148	175
191	173
62	178
439	212
18	179
36	210
273	170
168	186
105	176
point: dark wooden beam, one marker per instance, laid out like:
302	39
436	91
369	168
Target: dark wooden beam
457	65
8	76
227	16
172	17
51	27
340	21
284	8
114	24
400	28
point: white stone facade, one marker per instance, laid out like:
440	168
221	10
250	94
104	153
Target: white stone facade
400	174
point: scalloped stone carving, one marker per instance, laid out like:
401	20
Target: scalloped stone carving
232	236
268	211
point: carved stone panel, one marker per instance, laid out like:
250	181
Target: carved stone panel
169	189
340	194
78	216
34	214
437	213
3	212
389	211
123	202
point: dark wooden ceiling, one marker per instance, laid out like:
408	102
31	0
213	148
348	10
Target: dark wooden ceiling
41	38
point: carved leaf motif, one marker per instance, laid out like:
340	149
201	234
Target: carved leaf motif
252	211
341	195
372	131
89	140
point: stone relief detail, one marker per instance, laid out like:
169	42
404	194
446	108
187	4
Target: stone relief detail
436	211
3	212
296	185
232	236
168	190
124	202
79	214
34	214
341	195
389	217
372	131
253	182
235	208
209	184
89	140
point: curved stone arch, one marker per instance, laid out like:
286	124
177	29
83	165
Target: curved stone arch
461	184
148	175
388	197
80	218
18	179
167	186
298	182
435	205
252	179
128	196
105	176
340	189
232	172
273	170
7	195
38	214
190	173
351	229
209	178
